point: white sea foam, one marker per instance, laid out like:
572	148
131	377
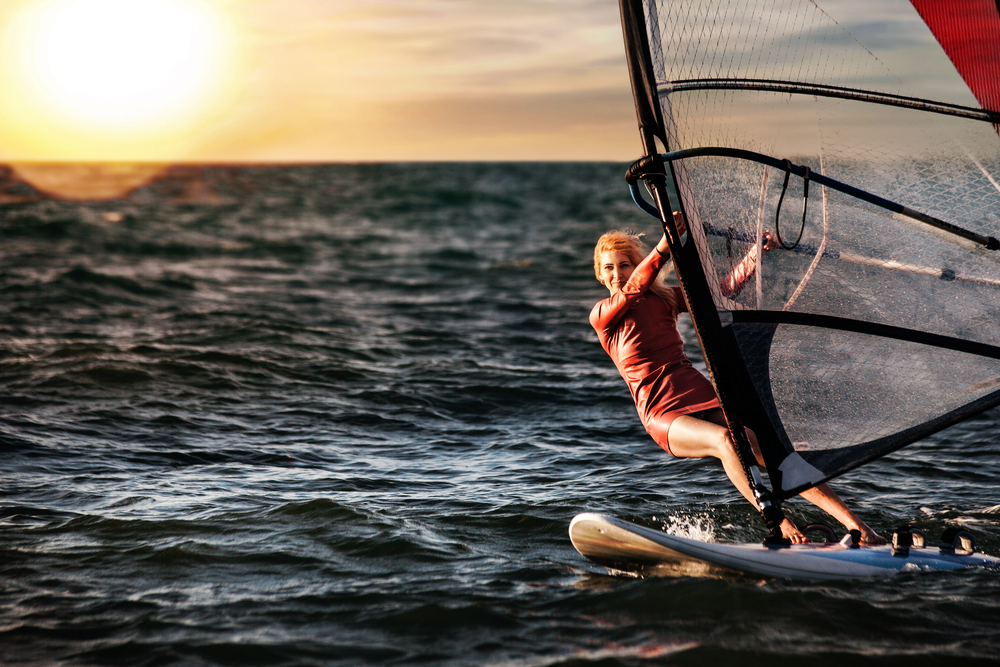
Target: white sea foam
691	527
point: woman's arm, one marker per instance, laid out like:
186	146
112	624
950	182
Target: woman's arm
738	278
606	313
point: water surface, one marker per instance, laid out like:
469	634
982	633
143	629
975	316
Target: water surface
343	415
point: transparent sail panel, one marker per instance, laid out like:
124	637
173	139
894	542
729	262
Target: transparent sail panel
879	110
834	389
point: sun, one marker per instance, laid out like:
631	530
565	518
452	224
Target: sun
121	61
113	68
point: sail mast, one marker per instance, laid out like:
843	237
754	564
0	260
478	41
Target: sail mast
716	342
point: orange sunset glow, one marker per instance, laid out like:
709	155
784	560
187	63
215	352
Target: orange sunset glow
110	79
311	80
166	81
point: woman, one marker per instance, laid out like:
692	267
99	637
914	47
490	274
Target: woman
637	326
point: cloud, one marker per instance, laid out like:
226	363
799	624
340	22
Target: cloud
427	79
467	79
426	48
580	125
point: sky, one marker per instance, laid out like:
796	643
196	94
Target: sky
358	80
313	80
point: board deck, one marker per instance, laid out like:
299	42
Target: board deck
621	545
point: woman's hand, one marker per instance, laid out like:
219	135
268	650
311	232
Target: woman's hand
663	247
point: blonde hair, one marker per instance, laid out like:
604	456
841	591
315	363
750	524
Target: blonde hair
628	243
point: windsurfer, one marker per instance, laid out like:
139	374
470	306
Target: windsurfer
637	326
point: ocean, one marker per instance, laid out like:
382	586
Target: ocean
343	415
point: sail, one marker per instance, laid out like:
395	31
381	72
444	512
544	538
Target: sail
969	32
844	125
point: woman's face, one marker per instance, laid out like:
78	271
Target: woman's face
615	270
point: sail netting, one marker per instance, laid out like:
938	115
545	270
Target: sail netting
875	329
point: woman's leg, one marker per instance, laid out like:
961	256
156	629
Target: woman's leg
822	496
700	438
690	437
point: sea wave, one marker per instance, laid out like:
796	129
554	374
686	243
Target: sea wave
343	414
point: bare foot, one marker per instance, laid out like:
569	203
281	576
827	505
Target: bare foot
870	537
792	533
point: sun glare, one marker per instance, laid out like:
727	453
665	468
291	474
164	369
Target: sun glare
114	68
121	60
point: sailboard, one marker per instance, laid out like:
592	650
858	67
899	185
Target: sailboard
877	321
638	550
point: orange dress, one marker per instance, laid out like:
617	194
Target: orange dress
639	333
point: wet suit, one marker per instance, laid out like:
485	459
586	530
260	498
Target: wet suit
639	333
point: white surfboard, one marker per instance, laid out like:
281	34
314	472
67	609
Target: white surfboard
624	546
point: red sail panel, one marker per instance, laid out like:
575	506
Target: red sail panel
969	31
